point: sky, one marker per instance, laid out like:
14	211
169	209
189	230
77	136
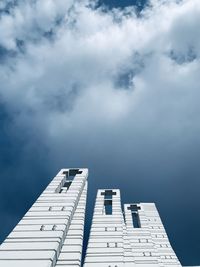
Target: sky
109	85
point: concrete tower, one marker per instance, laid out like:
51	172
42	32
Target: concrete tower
136	239
51	232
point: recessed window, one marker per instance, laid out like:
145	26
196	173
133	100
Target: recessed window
108	207
134	207
65	187
42	228
135	220
108	194
147	254
67	184
135	216
71	173
54	227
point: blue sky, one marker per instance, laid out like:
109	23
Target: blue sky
138	4
113	87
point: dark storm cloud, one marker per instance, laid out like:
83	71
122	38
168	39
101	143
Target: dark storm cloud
61	106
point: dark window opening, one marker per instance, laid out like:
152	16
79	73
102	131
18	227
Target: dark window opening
134	207
67	184
71	173
42	227
148	254
65	187
135	216
54	227
108	207
135	220
108	194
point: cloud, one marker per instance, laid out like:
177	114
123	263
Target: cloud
99	87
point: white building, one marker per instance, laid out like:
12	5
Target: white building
136	239
51	232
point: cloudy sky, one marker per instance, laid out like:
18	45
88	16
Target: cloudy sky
113	86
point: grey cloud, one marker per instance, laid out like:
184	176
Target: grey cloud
180	58
124	78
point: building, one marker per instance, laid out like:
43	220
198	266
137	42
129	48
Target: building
134	238
51	233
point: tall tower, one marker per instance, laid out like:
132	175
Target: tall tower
51	232
135	238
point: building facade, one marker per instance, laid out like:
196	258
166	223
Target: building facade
51	233
134	238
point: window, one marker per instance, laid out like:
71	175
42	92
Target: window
67	184
108	207
135	216
65	187
71	173
168	257
148	254
108	194
42	228
134	207
54	227
135	220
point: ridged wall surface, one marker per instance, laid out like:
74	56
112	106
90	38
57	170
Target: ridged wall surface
51	232
116	242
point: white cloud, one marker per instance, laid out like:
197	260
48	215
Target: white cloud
68	82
